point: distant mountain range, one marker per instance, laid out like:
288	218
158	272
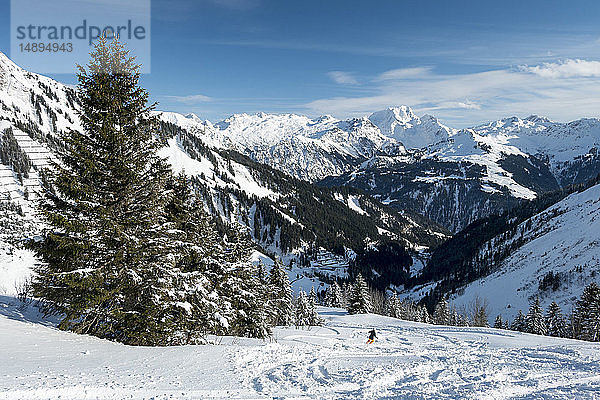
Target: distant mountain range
451	176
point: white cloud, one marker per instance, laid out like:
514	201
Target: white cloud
191	99
466	104
566	69
466	99
404	73
343	78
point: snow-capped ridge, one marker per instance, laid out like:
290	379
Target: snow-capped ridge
402	124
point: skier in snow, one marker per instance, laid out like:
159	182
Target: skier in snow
372	336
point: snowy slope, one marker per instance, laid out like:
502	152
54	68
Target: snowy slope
409	360
564	239
28	98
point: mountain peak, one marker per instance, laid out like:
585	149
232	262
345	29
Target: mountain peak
537	119
193	117
402	124
401	114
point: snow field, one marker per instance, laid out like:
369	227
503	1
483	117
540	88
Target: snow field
408	361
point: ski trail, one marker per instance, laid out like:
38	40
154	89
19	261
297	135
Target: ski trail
414	363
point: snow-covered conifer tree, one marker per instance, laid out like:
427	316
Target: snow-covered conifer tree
334	296
519	324
109	255
393	307
302	310
199	259
359	301
244	288
281	299
534	320
555	321
425	316
586	317
498	324
441	314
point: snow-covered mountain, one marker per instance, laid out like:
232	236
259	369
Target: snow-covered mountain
459	176
308	149
35	101
553	255
414	164
451	176
570	149
401	124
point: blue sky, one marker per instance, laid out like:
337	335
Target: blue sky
462	61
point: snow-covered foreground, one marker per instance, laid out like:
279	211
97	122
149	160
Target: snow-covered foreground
408	361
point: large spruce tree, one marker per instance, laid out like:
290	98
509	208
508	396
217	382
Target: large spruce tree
108	258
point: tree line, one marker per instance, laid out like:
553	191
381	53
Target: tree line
582	324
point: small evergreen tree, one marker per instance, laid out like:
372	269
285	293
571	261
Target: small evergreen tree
586	317
441	314
534	320
463	320
244	287
424	315
454	317
281	300
334	296
555	322
498	323
359	301
519	324
394	307
302	310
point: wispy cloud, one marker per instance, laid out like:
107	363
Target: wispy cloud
562	91
343	78
566	69
404	73
190	99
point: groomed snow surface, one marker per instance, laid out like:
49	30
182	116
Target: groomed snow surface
408	361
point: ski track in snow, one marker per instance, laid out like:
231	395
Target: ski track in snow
412	362
408	361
